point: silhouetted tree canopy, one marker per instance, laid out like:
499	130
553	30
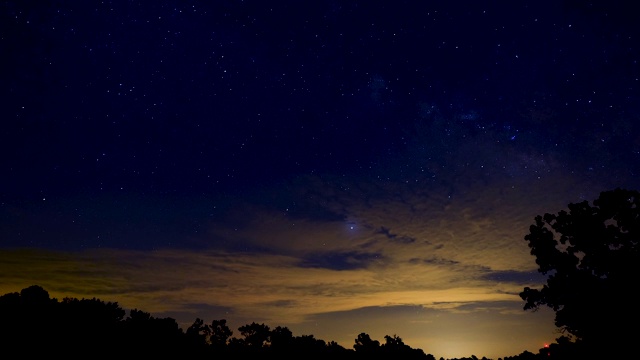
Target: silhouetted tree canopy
590	256
255	335
33	325
220	333
364	344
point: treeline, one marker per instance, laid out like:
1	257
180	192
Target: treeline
32	325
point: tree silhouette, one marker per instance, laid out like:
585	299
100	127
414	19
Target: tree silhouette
197	337
281	338
590	256
88	323
335	350
394	347
308	343
27	322
147	336
365	345
255	335
219	334
33	325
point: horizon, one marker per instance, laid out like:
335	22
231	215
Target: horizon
236	335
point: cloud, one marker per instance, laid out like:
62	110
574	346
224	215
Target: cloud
247	284
339	253
345	246
340	261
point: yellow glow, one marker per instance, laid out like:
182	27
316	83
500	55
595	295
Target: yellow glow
430	290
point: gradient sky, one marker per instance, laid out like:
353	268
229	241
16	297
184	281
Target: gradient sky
335	167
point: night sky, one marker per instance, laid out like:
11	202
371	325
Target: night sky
335	167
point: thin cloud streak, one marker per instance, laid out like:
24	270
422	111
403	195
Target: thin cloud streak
253	285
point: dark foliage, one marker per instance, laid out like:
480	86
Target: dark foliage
590	256
33	325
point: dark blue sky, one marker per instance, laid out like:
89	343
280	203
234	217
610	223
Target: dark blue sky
199	100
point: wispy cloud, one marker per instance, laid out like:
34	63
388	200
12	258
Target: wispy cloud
459	258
